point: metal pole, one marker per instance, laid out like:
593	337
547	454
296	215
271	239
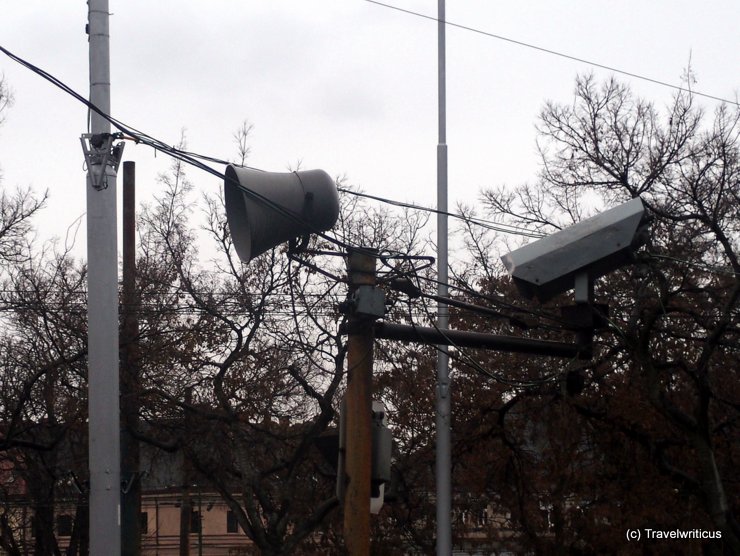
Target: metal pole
186	510
480	340
102	259
361	271
156	525
443	465
130	456
200	521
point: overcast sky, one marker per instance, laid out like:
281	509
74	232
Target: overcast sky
344	85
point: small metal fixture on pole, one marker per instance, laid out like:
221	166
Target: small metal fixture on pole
102	159
443	465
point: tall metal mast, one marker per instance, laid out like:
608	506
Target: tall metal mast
102	284
443	466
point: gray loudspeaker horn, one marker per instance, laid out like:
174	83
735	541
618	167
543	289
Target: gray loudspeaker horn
308	199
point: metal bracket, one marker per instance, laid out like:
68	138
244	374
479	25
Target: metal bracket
80	486
100	155
134	477
368	301
585	316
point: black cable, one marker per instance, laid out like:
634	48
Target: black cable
485	311
399	281
702	266
500	302
195	159
505	228
468	359
184	156
556	53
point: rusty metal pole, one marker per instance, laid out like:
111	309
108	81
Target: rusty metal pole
130	456
361	270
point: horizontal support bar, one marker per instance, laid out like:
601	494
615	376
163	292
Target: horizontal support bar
462	338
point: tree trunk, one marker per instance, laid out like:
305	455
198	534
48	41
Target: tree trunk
7	537
186	511
714	493
43	527
78	542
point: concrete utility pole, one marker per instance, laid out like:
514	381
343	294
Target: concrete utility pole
102	286
358	460
443	465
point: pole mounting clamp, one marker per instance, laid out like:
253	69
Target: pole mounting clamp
102	157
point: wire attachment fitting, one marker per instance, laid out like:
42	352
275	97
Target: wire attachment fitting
102	157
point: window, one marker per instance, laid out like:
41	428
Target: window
232	525
144	522
64	525
195	522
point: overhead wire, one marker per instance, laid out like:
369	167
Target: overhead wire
195	159
499	301
179	154
397	279
172	290
461	354
465	358
554	53
724	271
495	226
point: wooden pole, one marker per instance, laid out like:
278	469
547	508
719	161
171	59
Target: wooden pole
361	270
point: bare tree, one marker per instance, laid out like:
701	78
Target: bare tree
663	381
17	209
41	377
242	137
260	351
42	406
6	98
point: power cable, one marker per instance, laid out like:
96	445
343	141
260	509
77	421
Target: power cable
505	228
196	160
709	268
500	302
188	157
555	53
184	156
467	359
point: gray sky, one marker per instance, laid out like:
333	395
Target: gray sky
343	85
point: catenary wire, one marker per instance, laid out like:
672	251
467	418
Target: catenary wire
484	311
555	53
196	160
